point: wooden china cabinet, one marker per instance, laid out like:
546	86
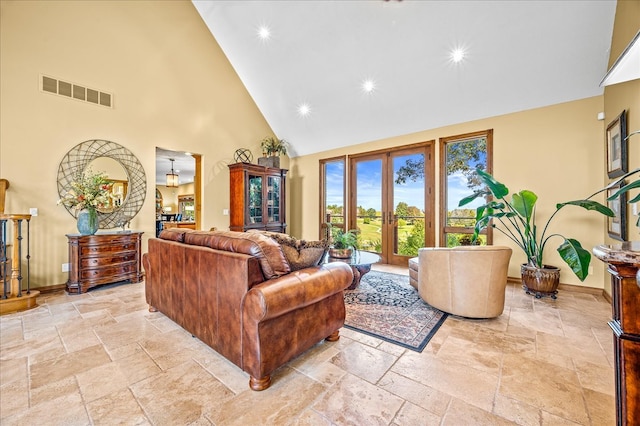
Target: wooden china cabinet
257	198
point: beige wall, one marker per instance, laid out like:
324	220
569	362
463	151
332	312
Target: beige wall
556	151
170	195
625	96
172	88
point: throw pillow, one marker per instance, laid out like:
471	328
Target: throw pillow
299	253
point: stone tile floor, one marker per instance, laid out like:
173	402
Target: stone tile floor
102	359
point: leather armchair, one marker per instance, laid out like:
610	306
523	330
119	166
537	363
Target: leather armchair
468	281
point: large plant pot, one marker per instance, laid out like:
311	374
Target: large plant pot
340	253
271	161
540	281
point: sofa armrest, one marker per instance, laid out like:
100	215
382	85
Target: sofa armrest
298	289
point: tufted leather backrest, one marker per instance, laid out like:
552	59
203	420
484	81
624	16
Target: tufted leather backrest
266	250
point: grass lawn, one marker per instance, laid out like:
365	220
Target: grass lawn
371	233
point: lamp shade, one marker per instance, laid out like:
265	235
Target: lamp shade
172	178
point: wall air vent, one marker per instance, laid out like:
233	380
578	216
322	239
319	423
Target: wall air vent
75	91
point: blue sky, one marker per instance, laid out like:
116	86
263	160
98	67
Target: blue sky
334	176
369	178
457	190
369	186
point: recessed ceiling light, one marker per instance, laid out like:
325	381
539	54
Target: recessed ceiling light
264	32
457	55
304	109
368	85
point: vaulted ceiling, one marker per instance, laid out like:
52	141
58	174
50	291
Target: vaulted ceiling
367	70
371	69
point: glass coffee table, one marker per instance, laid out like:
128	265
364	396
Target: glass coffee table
360	262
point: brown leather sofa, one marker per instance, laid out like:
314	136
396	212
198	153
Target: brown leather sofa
235	292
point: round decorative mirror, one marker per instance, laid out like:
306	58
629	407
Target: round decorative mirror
117	177
124	171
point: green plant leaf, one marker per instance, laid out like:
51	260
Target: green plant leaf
498	189
588	205
576	257
524	202
625	189
481	223
480	212
466	200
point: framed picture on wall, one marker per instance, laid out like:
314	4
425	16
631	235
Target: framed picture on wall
617	146
617	225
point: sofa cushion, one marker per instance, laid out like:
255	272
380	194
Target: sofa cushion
269	254
299	253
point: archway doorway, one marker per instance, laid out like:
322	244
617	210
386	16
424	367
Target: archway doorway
178	204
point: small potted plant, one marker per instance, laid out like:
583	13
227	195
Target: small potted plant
343	243
272	148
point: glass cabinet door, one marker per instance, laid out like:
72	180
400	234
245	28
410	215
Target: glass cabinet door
255	199
273	198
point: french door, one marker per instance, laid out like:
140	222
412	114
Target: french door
391	201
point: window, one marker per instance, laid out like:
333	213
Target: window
459	157
186	207
332	184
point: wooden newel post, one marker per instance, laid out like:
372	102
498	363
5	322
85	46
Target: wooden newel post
15	288
623	261
14	296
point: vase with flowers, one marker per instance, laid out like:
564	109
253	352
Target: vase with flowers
89	192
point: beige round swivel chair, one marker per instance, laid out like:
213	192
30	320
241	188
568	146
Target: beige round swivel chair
468	281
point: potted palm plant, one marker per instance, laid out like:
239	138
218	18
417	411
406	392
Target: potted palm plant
342	243
516	219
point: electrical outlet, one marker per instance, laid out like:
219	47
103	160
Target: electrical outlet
33	211
634	207
65	267
225	212
590	270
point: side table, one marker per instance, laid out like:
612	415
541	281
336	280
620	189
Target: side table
623	261
360	262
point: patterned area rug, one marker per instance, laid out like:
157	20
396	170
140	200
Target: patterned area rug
385	306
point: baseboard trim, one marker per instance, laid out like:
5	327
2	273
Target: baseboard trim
580	289
51	288
570	287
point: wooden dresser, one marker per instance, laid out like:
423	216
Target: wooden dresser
623	261
103	258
